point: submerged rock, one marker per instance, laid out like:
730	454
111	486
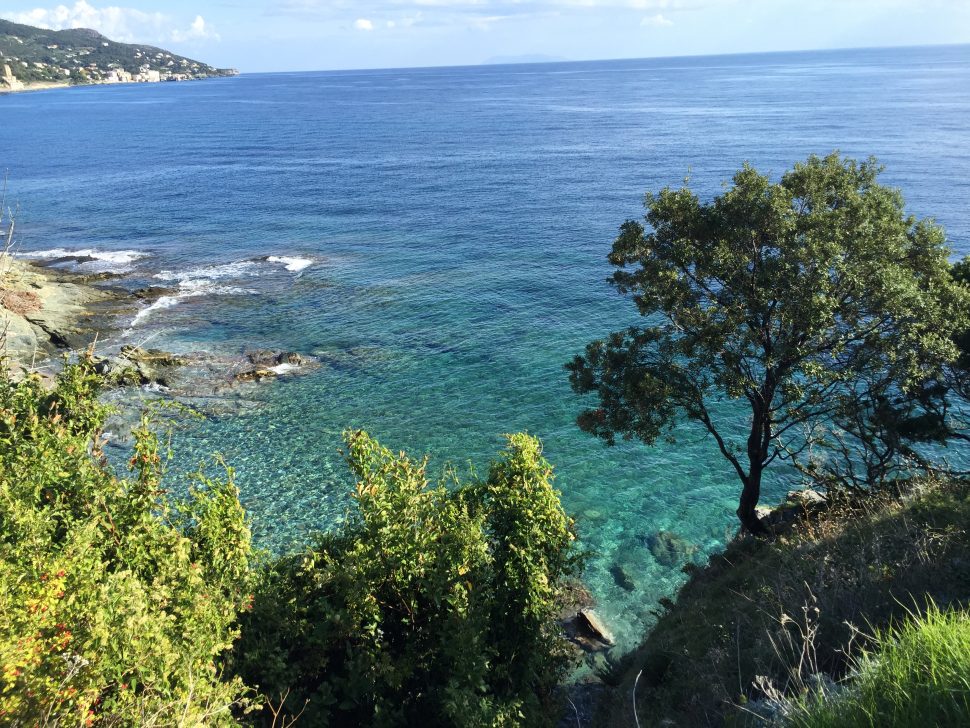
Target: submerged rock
668	548
621	578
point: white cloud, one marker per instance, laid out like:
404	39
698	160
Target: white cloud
126	25
656	21
197	31
363	24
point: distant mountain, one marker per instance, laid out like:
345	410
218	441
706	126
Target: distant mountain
529	58
81	55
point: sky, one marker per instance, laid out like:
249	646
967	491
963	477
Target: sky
303	35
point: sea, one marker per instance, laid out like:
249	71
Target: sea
437	238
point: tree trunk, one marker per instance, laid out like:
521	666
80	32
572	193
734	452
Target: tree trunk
747	514
758	442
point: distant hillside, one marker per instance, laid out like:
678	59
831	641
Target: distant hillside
85	56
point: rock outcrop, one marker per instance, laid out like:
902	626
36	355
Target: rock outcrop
41	313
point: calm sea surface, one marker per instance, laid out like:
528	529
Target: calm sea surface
443	235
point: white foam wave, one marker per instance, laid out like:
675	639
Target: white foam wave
162	302
284	368
291	263
240	269
90	258
207	281
197	282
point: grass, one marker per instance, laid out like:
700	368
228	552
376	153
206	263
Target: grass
764	619
918	674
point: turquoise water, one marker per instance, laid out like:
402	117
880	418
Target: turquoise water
444	234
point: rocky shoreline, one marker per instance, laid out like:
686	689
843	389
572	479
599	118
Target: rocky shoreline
47	312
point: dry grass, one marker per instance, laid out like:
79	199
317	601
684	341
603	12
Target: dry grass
20	302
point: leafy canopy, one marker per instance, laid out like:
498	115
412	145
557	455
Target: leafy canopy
802	300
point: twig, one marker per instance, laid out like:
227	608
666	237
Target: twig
576	711
636	718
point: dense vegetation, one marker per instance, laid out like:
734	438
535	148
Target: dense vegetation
435	606
115	600
123	605
38	54
917	674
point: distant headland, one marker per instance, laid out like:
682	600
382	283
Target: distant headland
35	58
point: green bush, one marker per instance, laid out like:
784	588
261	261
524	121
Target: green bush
917	674
116	602
433	606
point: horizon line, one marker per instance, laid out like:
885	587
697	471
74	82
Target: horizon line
486	63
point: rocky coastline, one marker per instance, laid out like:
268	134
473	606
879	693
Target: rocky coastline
47	312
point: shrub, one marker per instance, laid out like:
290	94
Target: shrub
116	602
433	606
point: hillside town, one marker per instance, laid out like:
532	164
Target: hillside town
34	57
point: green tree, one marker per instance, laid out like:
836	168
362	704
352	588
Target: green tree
803	300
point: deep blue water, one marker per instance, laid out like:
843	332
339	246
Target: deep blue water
457	222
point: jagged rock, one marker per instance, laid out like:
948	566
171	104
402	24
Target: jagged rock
590	621
584	628
265	358
668	548
798	503
154	366
151	293
154	357
621	578
255	375
806	497
118	370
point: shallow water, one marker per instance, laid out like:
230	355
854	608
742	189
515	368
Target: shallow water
438	238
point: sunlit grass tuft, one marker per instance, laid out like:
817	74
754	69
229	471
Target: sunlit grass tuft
917	674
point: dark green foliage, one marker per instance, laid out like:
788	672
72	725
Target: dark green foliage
433	606
815	302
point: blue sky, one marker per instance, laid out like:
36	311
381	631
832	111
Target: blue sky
289	35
